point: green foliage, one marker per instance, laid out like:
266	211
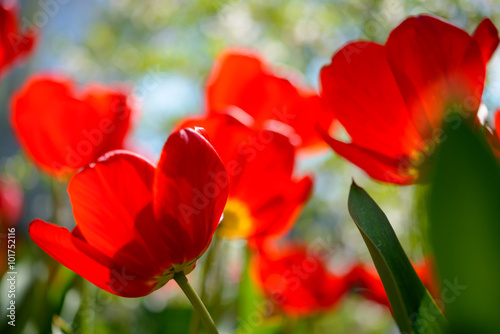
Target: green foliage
464	229
409	299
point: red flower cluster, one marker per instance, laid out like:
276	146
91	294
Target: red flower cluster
392	99
62	130
14	45
138	225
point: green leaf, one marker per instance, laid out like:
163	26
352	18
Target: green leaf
413	308
464	230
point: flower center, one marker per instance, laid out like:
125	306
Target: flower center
236	222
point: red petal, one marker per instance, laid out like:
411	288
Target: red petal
272	160
378	166
112	206
360	87
63	133
297	281
268	155
226	133
435	67
486	36
190	192
367	283
74	253
242	79
277	216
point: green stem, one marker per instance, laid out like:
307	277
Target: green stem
209	262
195	300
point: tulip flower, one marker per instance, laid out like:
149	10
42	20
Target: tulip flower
297	282
365	281
63	130
392	99
11	201
241	78
14	44
138	226
264	197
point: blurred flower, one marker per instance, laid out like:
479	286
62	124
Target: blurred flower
364	280
264	197
11	201
392	99
241	78
13	44
296	281
136	225
63	131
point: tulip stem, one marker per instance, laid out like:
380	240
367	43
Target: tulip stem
195	300
210	261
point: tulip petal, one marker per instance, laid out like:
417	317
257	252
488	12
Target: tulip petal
268	154
277	216
190	192
486	36
379	167
426	55
360	87
63	133
112	206
242	79
74	253
297	281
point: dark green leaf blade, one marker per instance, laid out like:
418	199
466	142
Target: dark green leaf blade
464	230
413	308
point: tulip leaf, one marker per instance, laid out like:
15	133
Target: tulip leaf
464	229
413	308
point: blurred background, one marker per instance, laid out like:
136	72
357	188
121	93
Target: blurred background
163	51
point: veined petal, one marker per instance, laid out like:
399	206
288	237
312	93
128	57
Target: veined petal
379	167
190	192
72	251
112	205
63	133
426	55
360	88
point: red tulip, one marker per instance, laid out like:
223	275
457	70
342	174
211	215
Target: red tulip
138	225
366	281
11	201
392	98
264	197
242	79
62	130
13	44
297	281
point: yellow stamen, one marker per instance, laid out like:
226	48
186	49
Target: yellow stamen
236	222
